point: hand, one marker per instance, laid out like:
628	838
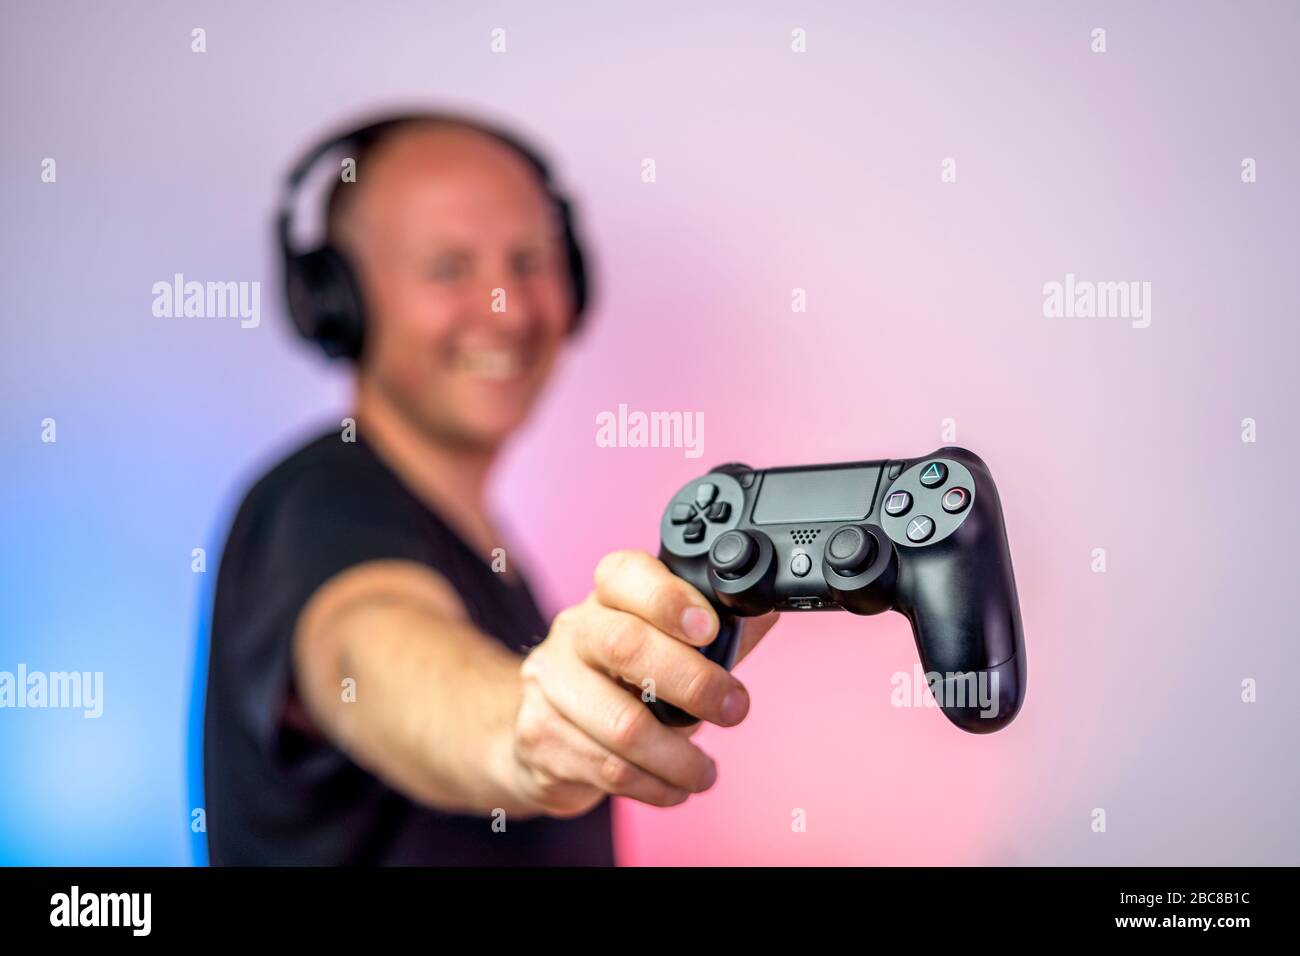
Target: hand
583	731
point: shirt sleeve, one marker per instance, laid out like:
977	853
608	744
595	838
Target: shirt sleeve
320	525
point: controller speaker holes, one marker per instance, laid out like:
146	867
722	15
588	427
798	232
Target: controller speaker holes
804	535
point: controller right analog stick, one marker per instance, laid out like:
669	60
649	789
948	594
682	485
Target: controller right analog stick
733	555
850	550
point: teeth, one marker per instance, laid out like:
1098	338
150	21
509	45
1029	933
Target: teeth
492	363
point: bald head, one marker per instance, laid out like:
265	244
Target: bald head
425	154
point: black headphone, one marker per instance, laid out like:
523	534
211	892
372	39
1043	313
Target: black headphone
323	294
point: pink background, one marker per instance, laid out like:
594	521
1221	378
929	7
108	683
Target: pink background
775	171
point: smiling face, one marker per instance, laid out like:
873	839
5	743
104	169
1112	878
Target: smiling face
462	267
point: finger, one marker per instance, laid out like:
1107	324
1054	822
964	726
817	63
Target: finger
560	795
558	748
688	730
753	630
627	648
635	582
619	721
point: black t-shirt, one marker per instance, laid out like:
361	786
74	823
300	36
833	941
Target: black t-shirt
276	793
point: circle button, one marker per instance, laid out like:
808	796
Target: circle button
920	529
955	500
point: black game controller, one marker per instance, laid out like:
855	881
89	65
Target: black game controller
922	536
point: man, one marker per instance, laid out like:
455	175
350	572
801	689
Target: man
377	693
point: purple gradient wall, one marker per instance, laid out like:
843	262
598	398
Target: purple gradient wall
776	171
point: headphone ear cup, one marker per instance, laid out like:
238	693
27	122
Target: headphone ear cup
325	301
578	277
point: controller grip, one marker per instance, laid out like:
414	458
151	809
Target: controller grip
722	651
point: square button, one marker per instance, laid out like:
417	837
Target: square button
898	503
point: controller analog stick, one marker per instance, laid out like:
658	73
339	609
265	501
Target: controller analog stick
733	554
850	550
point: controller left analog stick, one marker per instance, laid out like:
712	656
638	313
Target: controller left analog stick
733	555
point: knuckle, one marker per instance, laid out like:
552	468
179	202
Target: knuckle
609	567
545	783
531	665
702	690
533	668
630	725
622	643
556	796
616	773
530	731
664	596
566	621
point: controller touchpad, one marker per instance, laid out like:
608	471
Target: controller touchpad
806	495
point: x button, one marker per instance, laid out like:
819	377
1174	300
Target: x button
920	528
